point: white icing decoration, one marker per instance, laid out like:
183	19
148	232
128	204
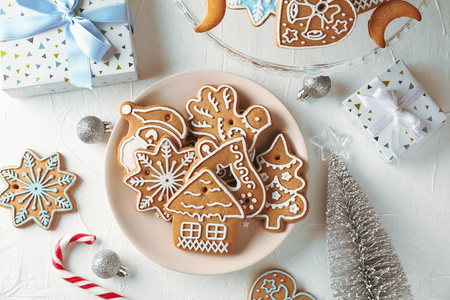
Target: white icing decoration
264	176
152	134
218	204
294	208
215	190
275	196
203	112
192	206
216	232
200	245
126	151
286	176
126	109
337	30
192	194
205	181
258	10
245	223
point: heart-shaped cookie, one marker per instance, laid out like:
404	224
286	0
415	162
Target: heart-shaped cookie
276	285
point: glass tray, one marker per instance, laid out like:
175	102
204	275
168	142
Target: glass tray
256	45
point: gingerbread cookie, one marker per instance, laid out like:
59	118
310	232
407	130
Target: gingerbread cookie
146	126
313	23
215	114
37	190
276	285
280	171
361	6
232	154
205	214
215	11
385	14
159	174
258	10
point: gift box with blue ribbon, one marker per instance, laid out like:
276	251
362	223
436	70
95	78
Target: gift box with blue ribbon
394	112
54	46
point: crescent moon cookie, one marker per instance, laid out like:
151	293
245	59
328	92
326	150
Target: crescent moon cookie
159	174
205	214
313	23
215	11
232	154
146	126
37	190
280	171
385	14
276	285
215	113
258	10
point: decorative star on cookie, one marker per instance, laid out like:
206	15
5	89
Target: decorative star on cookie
159	175
330	143
258	10
37	189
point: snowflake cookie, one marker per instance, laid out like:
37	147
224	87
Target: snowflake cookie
37	189
159	175
280	170
258	10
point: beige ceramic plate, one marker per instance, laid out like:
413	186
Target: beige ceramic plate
151	235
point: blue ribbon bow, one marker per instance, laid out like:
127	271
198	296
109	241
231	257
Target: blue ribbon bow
83	39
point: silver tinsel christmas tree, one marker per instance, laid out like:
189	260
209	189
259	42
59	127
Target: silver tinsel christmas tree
363	264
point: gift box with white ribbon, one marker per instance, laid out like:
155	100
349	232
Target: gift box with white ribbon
394	112
55	46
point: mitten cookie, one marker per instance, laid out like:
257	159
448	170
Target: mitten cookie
280	171
146	126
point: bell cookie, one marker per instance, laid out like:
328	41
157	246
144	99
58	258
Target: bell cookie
215	114
37	190
384	14
215	11
232	154
205	214
158	175
146	126
313	23
276	285
280	171
362	6
258	10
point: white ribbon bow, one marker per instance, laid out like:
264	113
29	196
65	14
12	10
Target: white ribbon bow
384	99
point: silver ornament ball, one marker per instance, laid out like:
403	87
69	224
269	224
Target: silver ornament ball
317	87
91	129
106	264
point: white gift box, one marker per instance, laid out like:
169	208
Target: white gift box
391	138
38	65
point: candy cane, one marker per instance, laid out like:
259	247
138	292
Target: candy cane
57	258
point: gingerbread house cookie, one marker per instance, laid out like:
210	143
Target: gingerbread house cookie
205	214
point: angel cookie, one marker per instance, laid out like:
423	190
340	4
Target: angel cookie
37	190
280	170
146	126
232	155
159	174
215	114
276	285
205	214
313	23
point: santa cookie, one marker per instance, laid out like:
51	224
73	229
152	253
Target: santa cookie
280	171
276	285
313	23
205	214
37	190
232	155
158	175
146	126
215	114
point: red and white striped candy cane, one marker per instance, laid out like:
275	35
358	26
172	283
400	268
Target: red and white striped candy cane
57	259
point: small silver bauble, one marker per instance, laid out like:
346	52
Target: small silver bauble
91	129
317	87
106	264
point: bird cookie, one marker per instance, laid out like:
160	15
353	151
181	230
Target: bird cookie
37	190
276	285
146	126
214	113
158	175
313	23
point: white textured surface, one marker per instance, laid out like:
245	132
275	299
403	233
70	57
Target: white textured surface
412	198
